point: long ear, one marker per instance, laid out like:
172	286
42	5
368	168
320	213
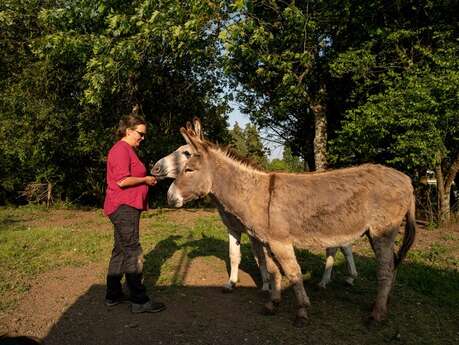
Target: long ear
198	128
188	125
190	139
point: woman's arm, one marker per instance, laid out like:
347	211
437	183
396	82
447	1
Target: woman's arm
131	181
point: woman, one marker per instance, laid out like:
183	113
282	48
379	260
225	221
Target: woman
125	199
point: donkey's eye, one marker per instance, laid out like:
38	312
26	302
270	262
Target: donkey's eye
187	154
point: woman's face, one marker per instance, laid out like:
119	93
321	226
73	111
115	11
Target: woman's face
135	136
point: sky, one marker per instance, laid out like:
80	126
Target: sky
242	120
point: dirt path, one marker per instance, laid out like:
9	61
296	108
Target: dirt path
65	307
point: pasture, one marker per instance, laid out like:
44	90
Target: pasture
52	284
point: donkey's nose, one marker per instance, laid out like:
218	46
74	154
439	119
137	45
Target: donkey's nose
156	169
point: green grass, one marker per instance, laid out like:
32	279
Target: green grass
27	250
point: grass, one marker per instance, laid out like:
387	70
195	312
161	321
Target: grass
425	305
28	249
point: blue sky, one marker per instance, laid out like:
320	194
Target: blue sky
242	120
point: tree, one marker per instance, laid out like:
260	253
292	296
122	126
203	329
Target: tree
86	63
401	99
238	140
277	165
276	52
255	146
293	163
247	143
413	123
34	134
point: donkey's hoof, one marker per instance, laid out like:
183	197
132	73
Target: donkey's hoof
349	281
269	309
322	285
228	287
300	321
264	294
371	324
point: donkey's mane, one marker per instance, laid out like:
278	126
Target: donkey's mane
231	153
250	162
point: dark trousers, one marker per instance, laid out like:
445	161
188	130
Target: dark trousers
126	256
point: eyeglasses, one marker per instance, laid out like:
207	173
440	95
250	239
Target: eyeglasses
142	134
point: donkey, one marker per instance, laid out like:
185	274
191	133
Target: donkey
285	210
171	165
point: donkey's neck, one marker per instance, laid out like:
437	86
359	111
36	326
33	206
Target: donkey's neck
240	190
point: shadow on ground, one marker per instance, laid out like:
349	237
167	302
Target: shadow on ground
203	315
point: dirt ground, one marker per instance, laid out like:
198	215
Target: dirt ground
65	306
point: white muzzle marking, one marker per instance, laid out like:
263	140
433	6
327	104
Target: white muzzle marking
174	198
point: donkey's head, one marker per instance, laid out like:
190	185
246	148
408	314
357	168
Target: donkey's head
172	164
195	180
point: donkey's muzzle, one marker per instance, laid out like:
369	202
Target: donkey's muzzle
156	170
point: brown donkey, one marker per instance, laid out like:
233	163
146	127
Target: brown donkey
172	164
169	167
284	211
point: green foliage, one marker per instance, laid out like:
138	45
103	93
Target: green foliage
288	163
293	163
247	143
273	54
357	59
413	122
385	73
277	165
70	70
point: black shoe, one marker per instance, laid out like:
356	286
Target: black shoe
148	307
112	302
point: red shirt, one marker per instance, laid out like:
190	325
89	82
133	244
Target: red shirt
122	162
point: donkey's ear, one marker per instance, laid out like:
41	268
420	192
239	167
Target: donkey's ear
188	125
197	127
190	139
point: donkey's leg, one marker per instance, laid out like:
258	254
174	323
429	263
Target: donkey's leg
260	258
285	255
275	284
384	251
234	239
329	261
347	252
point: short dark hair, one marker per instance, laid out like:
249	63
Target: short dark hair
129	121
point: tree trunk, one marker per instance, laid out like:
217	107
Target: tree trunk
444	188
320	137
444	207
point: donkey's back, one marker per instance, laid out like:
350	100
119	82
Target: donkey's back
336	207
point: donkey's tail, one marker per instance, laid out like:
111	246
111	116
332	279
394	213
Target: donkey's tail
409	235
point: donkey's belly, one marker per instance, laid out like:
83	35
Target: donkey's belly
334	241
327	235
